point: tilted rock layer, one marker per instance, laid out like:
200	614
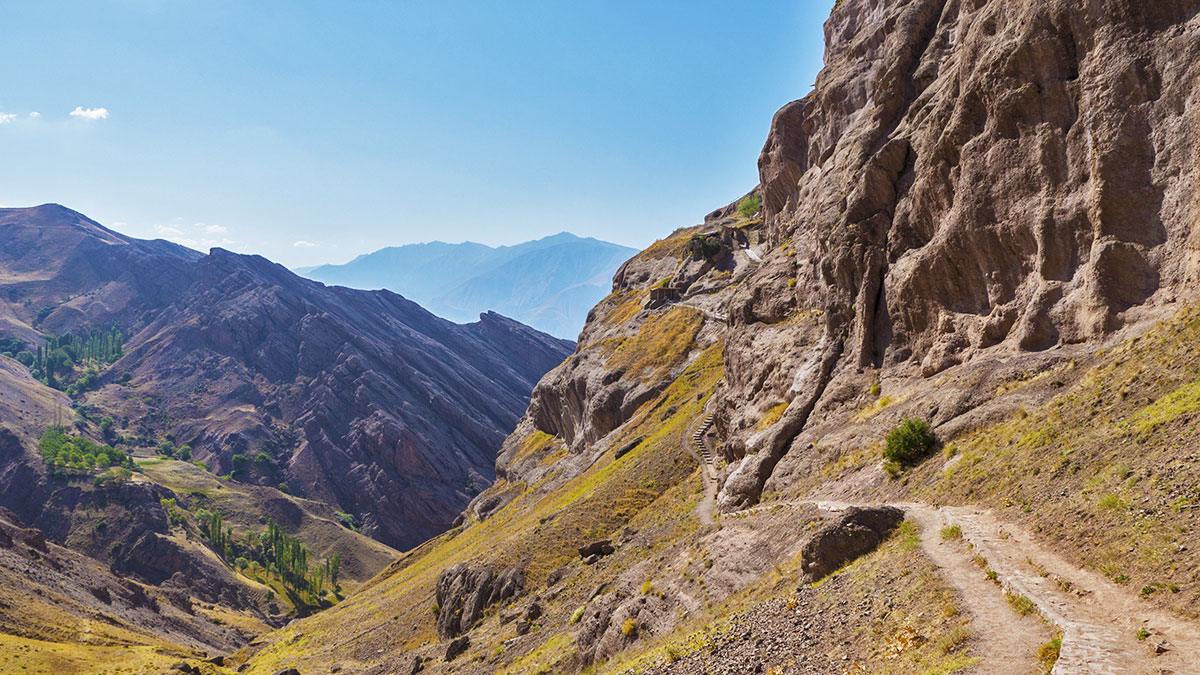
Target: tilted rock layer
361	400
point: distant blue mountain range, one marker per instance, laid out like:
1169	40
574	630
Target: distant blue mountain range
550	283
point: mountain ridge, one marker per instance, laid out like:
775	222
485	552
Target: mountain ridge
230	385
458	281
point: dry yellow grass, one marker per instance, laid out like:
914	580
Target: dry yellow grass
661	344
538	531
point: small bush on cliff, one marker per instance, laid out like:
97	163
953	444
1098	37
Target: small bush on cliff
909	442
701	247
750	206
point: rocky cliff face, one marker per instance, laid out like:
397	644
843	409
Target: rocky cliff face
967	182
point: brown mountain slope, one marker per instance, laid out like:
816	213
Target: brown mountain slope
52	594
976	219
359	399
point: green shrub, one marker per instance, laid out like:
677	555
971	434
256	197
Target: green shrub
346	520
78	454
909	442
577	614
700	246
1048	653
750	206
951	532
1021	604
629	628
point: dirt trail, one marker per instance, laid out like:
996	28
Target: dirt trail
1099	620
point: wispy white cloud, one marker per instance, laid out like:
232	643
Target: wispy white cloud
6	118
90	113
193	236
304	244
34	115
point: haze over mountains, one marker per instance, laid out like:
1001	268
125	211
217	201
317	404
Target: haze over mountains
550	283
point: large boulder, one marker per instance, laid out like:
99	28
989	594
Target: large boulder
857	532
457	647
464	591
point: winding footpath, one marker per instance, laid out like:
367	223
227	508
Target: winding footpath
1106	628
1099	620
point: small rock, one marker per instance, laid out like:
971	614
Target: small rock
457	647
597	548
287	671
556	576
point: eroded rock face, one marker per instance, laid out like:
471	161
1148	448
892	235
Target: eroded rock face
968	180
855	533
465	591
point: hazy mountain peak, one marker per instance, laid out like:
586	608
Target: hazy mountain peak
548	283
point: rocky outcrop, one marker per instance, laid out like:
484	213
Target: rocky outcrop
457	647
614	621
855	533
465	591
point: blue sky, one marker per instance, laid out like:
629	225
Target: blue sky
314	131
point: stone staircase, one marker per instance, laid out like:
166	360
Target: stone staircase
701	446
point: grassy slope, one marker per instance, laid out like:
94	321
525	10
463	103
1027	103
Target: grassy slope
1107	470
655	483
247	507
